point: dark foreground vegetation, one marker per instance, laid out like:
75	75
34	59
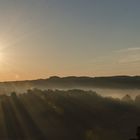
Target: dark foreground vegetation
67	115
137	134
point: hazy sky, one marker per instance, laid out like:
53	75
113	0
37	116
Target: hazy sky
41	38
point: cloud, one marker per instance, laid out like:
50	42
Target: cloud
129	59
134	49
128	55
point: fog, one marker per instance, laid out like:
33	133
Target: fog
117	93
114	93
104	92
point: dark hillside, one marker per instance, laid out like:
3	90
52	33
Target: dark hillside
71	115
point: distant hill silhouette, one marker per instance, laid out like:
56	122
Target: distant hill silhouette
72	82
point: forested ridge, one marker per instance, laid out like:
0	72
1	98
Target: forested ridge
71	115
55	82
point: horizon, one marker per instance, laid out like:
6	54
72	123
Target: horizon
39	39
46	78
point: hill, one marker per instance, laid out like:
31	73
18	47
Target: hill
114	82
66	115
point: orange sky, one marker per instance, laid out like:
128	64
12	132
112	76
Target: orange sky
43	38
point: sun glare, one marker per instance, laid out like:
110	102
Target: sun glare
1	56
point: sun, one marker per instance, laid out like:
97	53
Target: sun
1	56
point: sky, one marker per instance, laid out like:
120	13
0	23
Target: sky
42	38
